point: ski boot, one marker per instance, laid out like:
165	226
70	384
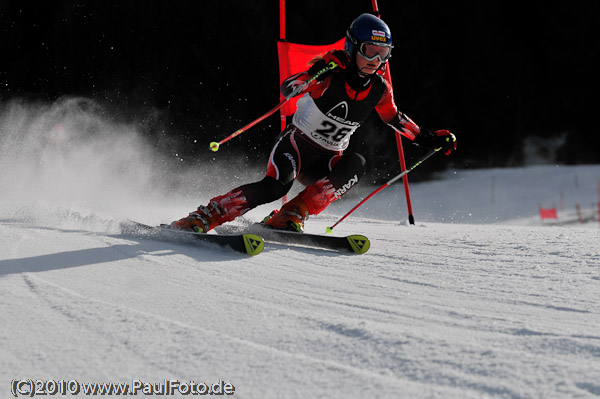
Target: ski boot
311	201
201	220
291	216
219	210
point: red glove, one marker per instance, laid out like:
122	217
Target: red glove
446	140
442	139
337	56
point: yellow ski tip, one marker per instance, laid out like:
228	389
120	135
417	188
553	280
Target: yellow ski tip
254	244
360	244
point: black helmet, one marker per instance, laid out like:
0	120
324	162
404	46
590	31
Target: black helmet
368	29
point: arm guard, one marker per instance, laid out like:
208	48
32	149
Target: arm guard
404	125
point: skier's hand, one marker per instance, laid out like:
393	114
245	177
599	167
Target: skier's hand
439	139
337	56
445	140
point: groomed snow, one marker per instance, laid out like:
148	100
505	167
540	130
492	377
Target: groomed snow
479	299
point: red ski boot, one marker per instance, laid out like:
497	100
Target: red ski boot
311	201
219	210
291	216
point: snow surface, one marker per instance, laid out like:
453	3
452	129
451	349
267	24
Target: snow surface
479	299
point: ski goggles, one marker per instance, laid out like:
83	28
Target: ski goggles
370	51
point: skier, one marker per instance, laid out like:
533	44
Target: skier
311	148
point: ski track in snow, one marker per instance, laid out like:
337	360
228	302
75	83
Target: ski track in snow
432	310
477	300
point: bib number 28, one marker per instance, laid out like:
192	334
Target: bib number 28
332	131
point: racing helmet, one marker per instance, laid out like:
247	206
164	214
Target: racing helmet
370	37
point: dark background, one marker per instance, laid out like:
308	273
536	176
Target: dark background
192	72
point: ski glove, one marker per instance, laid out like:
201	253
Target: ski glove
439	139
337	56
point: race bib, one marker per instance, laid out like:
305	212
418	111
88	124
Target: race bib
330	130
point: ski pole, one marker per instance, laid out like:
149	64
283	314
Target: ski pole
389	183
215	145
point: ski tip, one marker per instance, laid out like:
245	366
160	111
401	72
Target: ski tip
359	244
254	244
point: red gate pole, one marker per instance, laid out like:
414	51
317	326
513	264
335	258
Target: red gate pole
411	218
375	8
282	38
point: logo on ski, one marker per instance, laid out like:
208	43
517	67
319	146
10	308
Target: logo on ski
254	244
359	244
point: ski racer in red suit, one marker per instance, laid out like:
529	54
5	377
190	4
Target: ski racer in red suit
311	149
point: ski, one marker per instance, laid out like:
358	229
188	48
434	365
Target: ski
246	243
355	243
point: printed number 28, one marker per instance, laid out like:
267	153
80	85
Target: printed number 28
330	129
